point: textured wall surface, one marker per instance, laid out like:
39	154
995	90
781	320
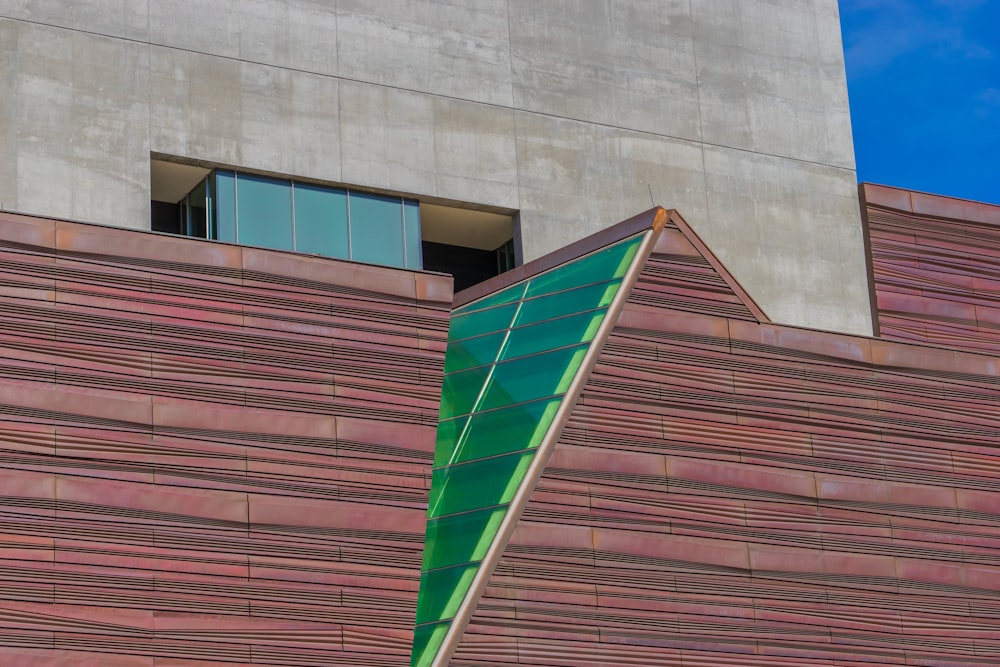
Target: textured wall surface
936	268
734	493
574	112
210	452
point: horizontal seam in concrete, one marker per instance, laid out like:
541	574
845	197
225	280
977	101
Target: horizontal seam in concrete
779	156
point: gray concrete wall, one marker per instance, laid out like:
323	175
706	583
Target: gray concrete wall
570	111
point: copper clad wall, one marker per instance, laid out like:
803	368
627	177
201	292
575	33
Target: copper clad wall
936	267
210	453
733	493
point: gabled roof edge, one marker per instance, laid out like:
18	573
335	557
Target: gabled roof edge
719	267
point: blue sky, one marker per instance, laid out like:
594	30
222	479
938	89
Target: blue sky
924	80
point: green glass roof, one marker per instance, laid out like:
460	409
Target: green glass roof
511	358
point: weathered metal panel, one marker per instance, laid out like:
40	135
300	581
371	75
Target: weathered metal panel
935	265
208	452
735	493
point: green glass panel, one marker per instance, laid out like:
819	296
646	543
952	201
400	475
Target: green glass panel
494	432
481	322
473	352
448	434
442	592
506	296
460	391
529	378
411	234
427	640
459	539
611	262
225	206
264	212
552	334
377	229
517	381
321	220
478	484
511	358
567	302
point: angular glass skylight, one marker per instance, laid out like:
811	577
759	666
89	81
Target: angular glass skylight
511	358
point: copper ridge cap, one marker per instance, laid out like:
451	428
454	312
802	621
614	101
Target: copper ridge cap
654	218
720	268
929	204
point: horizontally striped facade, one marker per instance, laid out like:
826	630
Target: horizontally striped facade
210	453
733	493
935	264
213	455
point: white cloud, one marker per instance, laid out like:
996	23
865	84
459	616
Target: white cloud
880	31
991	96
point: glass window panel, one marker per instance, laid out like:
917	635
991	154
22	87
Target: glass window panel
459	539
484	483
376	229
506	296
411	233
448	433
225	206
264	212
442	591
198	211
321	220
571	301
427	639
473	352
460	391
611	262
481	322
529	378
549	335
211	230
494	432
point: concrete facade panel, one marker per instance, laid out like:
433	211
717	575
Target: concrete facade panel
388	137
774	251
80	143
297	34
568	112
8	115
573	176
622	64
475	155
773	80
290	122
455	48
128	19
413	142
194	25
232	113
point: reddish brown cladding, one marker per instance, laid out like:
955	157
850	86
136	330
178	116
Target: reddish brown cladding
681	274
210	453
936	267
729	493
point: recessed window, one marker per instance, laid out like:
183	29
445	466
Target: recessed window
333	221
288	215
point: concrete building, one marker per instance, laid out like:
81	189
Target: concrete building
564	114
667	441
